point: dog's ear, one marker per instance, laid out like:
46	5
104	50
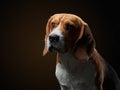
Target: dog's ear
46	36
85	43
45	47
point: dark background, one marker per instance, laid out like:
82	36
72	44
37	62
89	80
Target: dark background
22	30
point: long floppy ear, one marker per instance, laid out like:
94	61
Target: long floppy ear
85	44
46	36
45	47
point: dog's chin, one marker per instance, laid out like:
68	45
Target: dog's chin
54	49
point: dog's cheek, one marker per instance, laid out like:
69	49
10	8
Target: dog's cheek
68	43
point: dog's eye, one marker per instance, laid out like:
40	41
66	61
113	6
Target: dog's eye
70	27
52	25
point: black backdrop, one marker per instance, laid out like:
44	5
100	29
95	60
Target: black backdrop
22	66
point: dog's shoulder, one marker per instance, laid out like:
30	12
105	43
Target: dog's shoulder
111	80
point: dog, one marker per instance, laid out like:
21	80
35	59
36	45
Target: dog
79	65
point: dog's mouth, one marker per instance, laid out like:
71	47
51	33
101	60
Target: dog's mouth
53	49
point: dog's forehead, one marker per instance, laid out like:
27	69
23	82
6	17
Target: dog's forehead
63	17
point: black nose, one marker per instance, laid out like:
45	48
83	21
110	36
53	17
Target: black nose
54	38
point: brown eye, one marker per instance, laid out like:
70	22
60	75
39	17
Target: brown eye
70	27
52	25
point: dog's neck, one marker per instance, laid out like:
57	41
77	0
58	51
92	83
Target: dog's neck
74	74
72	65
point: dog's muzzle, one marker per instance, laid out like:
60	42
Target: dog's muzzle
53	42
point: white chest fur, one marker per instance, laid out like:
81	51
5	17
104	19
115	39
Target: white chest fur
75	75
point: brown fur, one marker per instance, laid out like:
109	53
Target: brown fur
100	66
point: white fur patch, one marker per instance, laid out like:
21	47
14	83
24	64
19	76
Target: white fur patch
57	31
75	75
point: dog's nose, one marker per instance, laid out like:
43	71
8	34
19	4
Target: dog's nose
54	38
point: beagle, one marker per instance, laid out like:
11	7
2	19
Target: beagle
79	65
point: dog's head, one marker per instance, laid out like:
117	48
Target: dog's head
68	33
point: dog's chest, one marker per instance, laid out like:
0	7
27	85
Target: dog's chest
73	75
